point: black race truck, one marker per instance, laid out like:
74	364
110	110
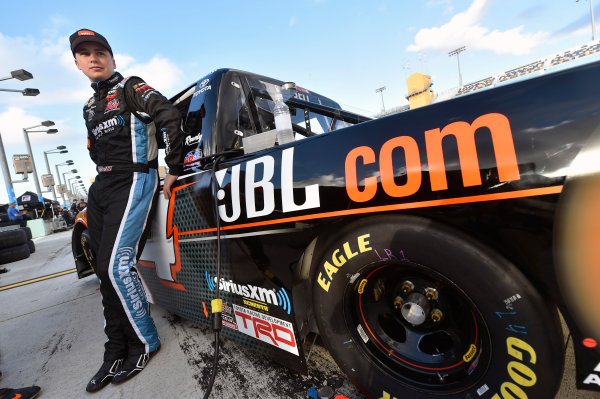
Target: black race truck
432	250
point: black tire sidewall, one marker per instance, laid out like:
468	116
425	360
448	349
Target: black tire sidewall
85	235
13	254
484	276
27	231
12	238
31	246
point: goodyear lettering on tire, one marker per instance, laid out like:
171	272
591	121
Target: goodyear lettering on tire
521	374
340	256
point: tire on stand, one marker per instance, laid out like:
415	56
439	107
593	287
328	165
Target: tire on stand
411	308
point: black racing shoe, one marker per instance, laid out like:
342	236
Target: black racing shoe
20	393
133	365
105	375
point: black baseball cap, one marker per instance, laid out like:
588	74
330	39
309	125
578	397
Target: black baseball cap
87	35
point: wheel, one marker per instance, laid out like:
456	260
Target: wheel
411	308
86	248
11	238
13	254
27	231
31	246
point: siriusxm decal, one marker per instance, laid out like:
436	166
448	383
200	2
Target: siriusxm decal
108	126
252	293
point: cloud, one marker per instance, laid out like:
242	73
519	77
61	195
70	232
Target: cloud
56	76
159	72
464	29
14	119
292	21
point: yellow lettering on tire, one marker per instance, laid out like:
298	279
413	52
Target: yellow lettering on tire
330	269
521	374
510	390
338	260
348	251
363	244
516	347
323	283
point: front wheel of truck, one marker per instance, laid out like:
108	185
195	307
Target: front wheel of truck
411	308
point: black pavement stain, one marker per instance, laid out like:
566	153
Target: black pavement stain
52	346
248	373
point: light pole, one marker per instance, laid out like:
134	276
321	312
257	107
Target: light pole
80	189
456	53
27	130
66	183
70	184
20	74
69	162
61	149
593	22
380	90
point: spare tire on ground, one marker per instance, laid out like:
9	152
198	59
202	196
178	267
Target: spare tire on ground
31	246
27	231
12	238
15	253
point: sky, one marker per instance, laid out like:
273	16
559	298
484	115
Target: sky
344	50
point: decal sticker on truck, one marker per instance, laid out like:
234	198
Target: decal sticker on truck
463	132
266	328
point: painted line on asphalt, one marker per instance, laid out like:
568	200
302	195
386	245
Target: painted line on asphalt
35	280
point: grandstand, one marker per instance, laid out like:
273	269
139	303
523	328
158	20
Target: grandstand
590	51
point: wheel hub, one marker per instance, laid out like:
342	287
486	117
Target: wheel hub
416	308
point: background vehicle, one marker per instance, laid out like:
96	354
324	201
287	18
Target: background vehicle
426	248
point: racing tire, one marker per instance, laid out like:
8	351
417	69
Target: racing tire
31	246
411	308
13	254
27	231
86	248
12	238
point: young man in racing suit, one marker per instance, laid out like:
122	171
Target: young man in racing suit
120	199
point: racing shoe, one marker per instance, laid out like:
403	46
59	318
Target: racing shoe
133	365
105	375
20	393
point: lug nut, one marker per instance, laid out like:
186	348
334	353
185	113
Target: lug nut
407	286
398	302
431	293
436	315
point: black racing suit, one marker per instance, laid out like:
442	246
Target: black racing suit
120	200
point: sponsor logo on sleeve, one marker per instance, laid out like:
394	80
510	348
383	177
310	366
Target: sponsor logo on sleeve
144	90
191	140
192	158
